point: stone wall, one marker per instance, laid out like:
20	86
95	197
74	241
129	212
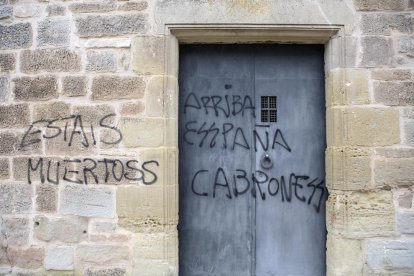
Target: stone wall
88	138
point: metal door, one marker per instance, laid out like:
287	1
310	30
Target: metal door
252	141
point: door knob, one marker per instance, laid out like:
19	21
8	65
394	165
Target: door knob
266	162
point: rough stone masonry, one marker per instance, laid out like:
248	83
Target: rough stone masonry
87	96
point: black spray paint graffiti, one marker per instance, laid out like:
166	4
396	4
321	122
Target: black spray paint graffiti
82	170
299	187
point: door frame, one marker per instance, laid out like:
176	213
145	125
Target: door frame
332	36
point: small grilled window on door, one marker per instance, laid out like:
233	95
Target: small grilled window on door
269	109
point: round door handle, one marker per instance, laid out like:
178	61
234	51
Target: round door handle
266	162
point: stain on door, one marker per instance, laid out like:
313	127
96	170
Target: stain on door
252	142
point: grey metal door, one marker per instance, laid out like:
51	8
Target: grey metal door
252	141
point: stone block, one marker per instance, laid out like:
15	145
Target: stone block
393	171
140	209
154	97
149	246
51	111
4	89
158	155
55	10
171	97
104	272
35	89
15	199
376	51
133	6
404	198
15	231
7	62
115	87
408	127
8	143
405	221
46	198
92	7
26	10
50	60
148	55
360	214
347	87
14	116
348	168
102	61
390	254
6	12
344	256
93	114
53	31
394	93
4	168
108	43
29	258
111	25
132	109
386	23
406	44
67	229
391	74
82	143
378	5
59	258
142	132
15	36
100	254
88	201
149	267
104	226
362	126
74	86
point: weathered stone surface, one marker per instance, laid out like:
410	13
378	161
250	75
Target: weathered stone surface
7	62
26	9
46	198
74	86
108	43
394	93
92	7
55	9
4	168
404	198
104	272
6	12
15	231
377	5
103	226
348	168
148	54
408	126
50	111
15	36
35	89
405	221
50	60
15	199
103	254
115	87
30	258
367	126
8	143
385	23
390	254
111	25
4	89
89	201
140	209
391	74
93	114
68	229
133	6
344	256
393	171
360	214
132	109
154	97
16	115
53	31
376	51
406	44
149	245
139	132
59	258
102	61
81	143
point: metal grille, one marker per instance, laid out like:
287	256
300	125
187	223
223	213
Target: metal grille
269	109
